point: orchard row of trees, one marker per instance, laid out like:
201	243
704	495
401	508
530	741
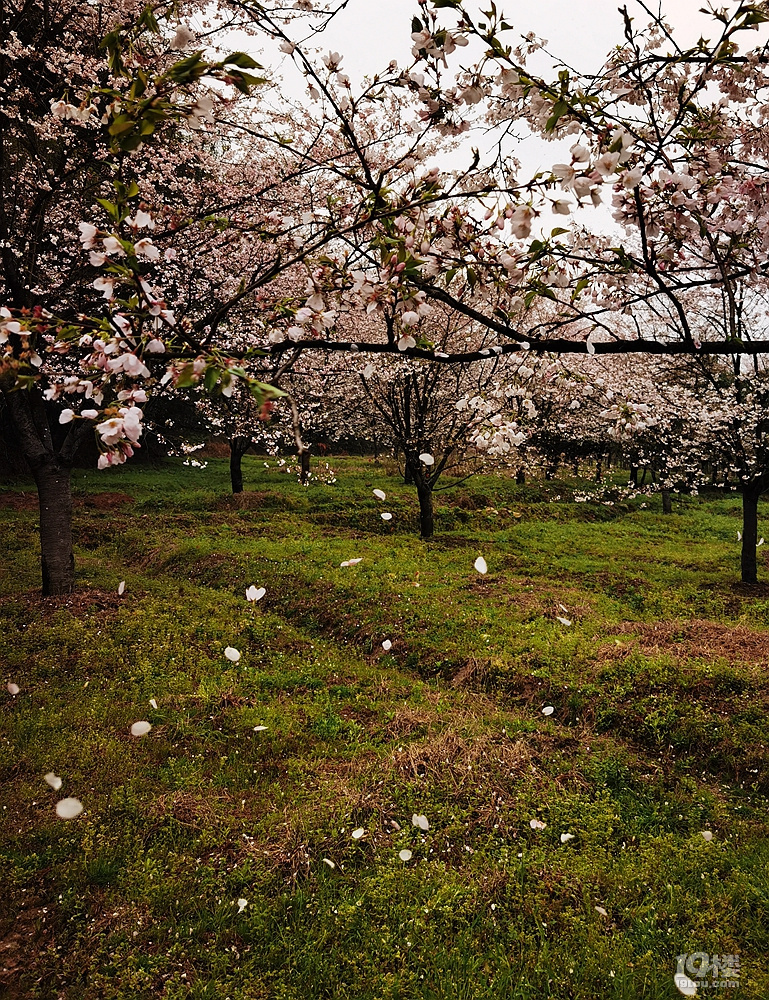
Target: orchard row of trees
171	220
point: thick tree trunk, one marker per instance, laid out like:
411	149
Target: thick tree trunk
426	525
750	495
55	497
408	474
667	505
51	471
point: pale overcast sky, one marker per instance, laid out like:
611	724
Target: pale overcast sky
371	32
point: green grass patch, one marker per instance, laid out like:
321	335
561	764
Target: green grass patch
256	773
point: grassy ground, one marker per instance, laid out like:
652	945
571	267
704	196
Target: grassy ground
659	733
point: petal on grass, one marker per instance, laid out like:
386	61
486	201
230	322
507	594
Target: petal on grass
357	834
53	780
537	824
387	645
405	854
481	565
386	516
548	710
232	654
68	808
420	821
12	688
380	494
140	728
566	837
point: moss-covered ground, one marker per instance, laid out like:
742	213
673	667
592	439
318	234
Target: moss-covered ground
256	773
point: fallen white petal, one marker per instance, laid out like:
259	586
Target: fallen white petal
140	728
260	729
153	703
242	904
121	587
232	654
707	835
13	688
481	565
357	834
420	821
53	780
405	854
600	909
427	458
329	862
548	710
685	985
537	824
69	808
563	608
352	562
380	494
254	594
386	517
563	621
566	837
387	645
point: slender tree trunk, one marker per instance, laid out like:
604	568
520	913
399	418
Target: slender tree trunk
520	477
304	465
238	448
634	475
598	471
750	495
667	505
426	524
55	497
408	473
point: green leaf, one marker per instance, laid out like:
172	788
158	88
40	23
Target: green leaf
243	60
109	206
211	378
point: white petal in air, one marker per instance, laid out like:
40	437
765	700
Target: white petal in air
140	728
480	565
537	824
357	834
232	654
387	645
427	458
380	494
69	808
420	822
405	854
53	780
121	587
12	688
548	710
566	837
386	516
739	536
760	542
